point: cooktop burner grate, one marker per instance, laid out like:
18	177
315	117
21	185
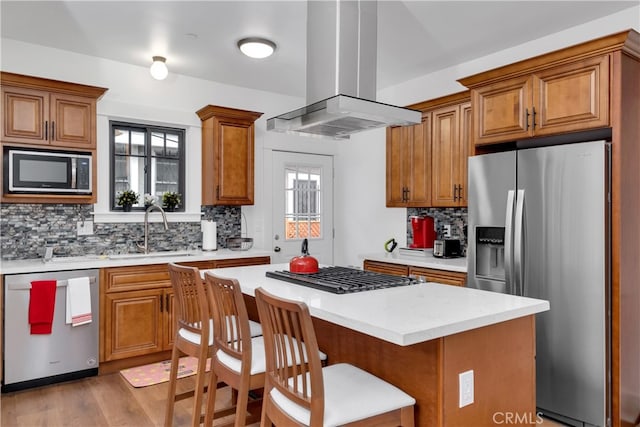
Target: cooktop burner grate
342	280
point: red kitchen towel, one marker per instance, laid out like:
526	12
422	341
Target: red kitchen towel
42	300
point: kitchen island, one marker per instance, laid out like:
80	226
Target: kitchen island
421	337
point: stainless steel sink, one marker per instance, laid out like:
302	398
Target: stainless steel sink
162	254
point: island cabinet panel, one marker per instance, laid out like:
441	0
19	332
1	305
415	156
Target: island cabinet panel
564	98
227	155
137	311
502	357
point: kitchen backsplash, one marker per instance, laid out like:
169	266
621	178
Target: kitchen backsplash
28	228
456	217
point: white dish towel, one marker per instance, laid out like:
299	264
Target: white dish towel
78	301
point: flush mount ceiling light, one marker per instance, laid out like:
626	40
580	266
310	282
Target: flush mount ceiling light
159	69
255	47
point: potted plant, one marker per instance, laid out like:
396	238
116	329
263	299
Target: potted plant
170	200
149	200
126	199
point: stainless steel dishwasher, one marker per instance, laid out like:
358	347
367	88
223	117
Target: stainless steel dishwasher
67	353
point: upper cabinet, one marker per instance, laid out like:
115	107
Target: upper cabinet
427	163
450	150
39	112
48	112
227	155
408	164
573	96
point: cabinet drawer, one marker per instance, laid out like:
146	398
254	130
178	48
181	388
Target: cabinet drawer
138	277
239	262
386	268
439	276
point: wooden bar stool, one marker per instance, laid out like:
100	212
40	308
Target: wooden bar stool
194	336
306	394
238	360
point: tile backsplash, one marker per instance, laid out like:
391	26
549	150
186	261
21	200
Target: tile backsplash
26	229
456	217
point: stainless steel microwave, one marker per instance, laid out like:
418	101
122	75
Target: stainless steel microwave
46	172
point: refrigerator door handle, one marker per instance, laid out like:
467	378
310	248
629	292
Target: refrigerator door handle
508	243
518	244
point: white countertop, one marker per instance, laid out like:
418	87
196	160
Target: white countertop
99	261
404	315
428	261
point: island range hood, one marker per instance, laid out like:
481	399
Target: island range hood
341	75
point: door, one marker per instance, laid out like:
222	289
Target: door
564	258
302	205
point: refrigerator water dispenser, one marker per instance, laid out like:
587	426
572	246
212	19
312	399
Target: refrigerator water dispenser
490	253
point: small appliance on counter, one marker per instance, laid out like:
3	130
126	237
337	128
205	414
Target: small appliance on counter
447	248
423	232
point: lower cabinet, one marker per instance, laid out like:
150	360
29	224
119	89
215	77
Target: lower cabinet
137	309
428	274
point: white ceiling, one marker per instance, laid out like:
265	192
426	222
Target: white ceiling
199	37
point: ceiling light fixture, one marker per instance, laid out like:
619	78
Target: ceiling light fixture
159	69
255	47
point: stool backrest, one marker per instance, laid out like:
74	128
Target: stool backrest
232	333
191	303
290	341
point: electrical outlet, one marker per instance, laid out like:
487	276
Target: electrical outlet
86	229
447	230
465	386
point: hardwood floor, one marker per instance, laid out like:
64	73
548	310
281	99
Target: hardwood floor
106	400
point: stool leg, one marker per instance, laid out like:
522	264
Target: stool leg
211	398
173	379
199	389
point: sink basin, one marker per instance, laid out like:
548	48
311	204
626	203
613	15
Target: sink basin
162	254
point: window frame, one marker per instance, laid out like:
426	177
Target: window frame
147	129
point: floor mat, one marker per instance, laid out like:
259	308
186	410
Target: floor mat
156	373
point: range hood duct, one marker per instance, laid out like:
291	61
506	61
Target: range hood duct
341	75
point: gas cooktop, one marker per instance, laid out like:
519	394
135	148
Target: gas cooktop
342	280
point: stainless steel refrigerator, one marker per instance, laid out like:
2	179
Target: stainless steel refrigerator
539	226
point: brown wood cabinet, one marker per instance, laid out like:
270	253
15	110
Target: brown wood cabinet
428	274
40	112
427	163
566	98
227	155
408	161
450	150
48	112
592	85
137	310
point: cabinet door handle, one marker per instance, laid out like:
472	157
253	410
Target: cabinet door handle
526	125
46	130
167	303
161	304
53	131
406	194
534	118
459	192
455	192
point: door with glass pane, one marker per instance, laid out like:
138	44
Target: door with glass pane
302	205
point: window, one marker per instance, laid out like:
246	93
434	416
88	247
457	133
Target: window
302	199
148	160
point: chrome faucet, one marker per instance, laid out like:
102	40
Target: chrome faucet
145	248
